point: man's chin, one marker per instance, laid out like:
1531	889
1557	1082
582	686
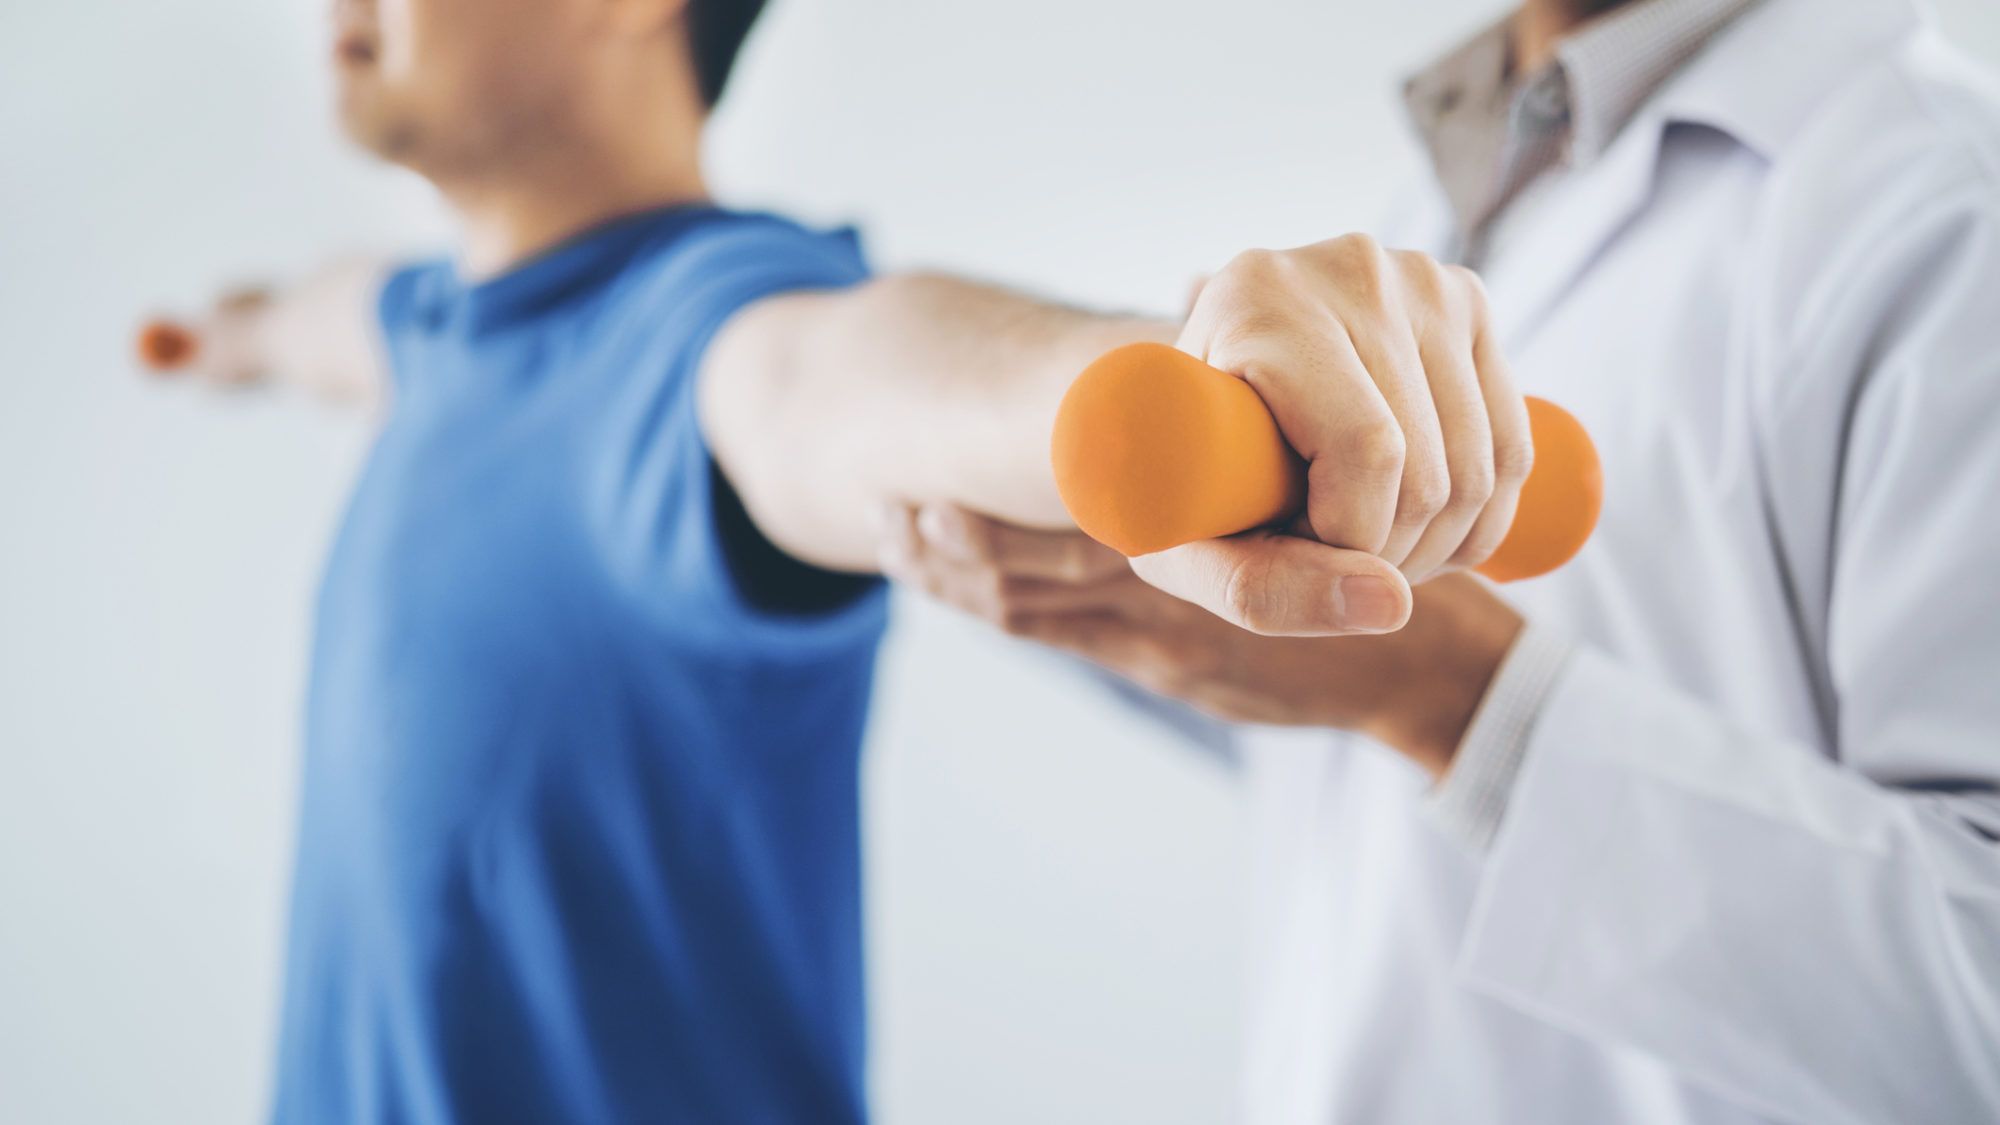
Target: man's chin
368	126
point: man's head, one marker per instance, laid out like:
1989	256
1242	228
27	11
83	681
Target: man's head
451	85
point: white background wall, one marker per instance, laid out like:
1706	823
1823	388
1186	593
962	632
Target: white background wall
1053	884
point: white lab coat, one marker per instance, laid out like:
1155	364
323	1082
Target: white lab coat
1749	871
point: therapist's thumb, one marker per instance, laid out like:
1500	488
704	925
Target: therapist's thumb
1283	585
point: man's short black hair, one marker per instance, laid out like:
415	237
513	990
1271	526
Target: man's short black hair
716	30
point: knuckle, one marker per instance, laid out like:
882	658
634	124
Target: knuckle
1260	261
1473	551
1374	451
1362	254
1358	247
1368	288
1252	270
1513	460
1472	483
1438	299
1239	592
1424	494
1470	286
1256	321
1246	595
1426	275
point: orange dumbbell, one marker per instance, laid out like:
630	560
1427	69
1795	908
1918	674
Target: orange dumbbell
1154	448
165	346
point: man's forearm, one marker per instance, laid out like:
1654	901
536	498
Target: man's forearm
320	334
821	408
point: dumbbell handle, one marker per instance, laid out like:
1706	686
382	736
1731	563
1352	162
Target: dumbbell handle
1154	448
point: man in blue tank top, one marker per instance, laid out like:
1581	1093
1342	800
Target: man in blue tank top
579	839
578	833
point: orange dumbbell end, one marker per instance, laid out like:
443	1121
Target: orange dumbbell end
165	346
1154	448
1560	500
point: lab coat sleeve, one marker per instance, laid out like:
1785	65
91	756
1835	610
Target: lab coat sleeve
1815	935
1468	803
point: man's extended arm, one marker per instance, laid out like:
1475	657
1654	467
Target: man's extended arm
317	334
820	407
1377	365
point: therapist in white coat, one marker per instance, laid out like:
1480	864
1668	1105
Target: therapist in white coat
1721	842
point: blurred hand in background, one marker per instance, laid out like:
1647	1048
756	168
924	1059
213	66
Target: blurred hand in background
316	335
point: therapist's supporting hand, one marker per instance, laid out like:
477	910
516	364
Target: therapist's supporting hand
1414	690
1382	371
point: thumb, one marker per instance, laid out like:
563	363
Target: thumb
1282	585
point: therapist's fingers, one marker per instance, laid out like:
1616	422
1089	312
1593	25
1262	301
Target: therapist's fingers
1110	641
1327	405
1445	344
896	540
1053	556
1512	441
1282	585
1384	337
978	588
1326	335
1005	602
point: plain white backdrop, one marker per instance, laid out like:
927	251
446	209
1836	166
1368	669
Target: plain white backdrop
1053	882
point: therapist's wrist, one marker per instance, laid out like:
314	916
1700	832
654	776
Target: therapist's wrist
1469	633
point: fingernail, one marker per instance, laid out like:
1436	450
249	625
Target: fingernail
1364	603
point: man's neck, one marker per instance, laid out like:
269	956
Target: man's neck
1541	24
508	219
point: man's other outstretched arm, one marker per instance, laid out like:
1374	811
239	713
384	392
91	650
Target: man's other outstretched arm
319	334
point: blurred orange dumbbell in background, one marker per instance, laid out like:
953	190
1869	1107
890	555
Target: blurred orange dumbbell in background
165	346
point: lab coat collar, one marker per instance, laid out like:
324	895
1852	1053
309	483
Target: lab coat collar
1585	209
1758	82
1762	78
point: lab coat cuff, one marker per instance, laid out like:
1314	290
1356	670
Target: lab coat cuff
1470	802
1565	818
